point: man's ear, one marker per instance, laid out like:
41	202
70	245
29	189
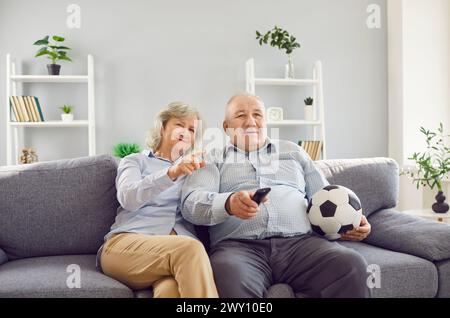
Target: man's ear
225	126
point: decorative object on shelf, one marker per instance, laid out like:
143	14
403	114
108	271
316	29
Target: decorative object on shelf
433	165
309	109
67	115
274	114
54	51
282	40
121	150
28	156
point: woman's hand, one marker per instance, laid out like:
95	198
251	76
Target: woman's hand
187	165
359	233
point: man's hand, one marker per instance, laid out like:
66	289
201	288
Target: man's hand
359	233
187	165
241	205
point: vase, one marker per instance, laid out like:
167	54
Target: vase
289	68
309	112
440	206
67	117
53	69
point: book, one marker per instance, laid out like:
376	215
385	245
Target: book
312	147
28	107
19	108
24	108
36	100
14	109
33	108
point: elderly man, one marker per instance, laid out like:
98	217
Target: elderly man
253	247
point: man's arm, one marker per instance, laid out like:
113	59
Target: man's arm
201	202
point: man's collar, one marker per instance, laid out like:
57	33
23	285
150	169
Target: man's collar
271	147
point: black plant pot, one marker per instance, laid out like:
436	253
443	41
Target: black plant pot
440	206
53	69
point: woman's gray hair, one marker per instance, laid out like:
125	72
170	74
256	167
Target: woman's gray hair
173	110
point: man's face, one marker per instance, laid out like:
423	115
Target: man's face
245	123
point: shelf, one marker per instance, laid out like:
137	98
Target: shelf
51	123
50	78
292	122
285	82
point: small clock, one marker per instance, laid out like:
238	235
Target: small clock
274	114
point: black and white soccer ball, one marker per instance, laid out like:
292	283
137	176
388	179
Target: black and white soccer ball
334	210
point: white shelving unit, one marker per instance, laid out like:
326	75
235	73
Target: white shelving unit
15	131
318	124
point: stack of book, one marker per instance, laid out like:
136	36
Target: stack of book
26	108
312	147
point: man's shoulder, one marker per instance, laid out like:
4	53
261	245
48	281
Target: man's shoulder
285	145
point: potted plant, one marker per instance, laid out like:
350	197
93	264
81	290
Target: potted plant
433	165
67	115
309	109
282	40
54	51
121	150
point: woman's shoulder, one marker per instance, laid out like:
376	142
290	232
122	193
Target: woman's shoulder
137	159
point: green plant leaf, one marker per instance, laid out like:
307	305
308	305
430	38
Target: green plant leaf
42	51
65	58
58	38
56	47
53	55
43	41
122	150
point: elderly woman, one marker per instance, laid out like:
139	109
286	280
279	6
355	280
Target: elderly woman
150	244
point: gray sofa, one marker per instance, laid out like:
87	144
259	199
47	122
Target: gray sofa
54	214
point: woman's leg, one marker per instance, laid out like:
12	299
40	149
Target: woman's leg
166	287
139	260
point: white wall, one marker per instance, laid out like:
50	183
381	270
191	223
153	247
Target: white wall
419	81
148	53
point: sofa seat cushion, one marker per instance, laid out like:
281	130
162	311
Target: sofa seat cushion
401	275
47	277
404	233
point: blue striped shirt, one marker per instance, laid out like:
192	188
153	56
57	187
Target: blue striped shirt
281	165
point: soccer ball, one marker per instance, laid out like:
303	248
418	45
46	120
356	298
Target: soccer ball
334	210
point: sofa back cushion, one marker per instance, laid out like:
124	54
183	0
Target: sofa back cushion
57	207
374	180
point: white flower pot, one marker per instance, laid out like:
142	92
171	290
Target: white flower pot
66	117
309	112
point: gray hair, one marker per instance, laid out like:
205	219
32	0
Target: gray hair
173	110
241	94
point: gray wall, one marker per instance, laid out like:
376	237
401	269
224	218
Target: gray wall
148	53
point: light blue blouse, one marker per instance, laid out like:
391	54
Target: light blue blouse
149	199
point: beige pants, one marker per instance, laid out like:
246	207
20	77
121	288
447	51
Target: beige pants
176	266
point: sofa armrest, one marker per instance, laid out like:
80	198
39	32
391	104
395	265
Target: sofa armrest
408	234
3	257
374	180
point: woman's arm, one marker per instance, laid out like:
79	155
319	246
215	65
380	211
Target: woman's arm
133	190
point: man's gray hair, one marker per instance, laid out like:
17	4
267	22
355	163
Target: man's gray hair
173	110
241	94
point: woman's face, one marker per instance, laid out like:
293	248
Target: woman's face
179	135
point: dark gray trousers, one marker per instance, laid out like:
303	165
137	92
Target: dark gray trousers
311	265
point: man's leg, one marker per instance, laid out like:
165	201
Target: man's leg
241	268
317	267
